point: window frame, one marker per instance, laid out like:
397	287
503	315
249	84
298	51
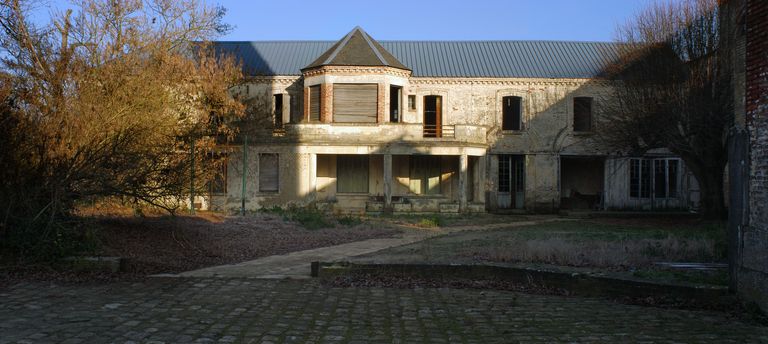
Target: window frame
651	179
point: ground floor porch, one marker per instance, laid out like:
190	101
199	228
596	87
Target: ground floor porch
376	179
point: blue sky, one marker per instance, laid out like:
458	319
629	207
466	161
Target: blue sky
582	20
579	20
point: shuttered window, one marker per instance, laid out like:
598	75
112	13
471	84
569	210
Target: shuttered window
314	103
582	114
269	173
355	103
352	174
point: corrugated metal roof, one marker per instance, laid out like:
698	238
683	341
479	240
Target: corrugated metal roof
486	59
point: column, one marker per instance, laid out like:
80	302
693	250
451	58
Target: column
463	165
387	182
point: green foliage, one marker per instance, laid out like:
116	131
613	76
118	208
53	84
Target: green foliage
309	217
430	222
349	221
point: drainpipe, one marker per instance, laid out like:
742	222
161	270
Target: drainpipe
192	178
245	171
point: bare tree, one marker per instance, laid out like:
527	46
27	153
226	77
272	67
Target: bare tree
107	100
674	91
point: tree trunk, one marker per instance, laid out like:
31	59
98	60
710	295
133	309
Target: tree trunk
712	195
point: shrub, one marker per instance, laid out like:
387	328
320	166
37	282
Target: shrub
349	221
430	222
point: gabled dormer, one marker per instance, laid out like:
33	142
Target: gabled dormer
355	81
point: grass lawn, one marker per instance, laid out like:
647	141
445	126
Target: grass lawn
628	248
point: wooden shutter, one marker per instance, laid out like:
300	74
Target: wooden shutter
314	103
582	114
355	103
269	173
352	173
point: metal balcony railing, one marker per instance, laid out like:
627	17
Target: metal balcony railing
446	131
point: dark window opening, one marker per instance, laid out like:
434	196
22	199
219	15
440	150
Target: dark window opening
582	114
314	103
269	173
352	173
511	113
395	93
278	110
411	102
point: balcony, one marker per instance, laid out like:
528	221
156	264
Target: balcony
359	133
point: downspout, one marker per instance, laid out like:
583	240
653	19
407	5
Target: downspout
192	178
245	171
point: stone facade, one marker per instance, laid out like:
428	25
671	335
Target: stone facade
436	144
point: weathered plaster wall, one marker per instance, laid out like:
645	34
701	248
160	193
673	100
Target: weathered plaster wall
474	107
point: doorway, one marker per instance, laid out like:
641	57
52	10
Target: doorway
511	193
433	116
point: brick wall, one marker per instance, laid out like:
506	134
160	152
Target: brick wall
753	275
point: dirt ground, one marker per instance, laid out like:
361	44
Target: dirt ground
170	245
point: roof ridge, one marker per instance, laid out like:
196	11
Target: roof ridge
370	44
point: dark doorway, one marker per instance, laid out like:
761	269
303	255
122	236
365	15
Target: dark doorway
433	120
395	95
581	182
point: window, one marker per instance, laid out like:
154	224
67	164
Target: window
411	102
582	114
314	103
395	92
425	175
278	110
512	117
355	103
269	173
662	181
352	174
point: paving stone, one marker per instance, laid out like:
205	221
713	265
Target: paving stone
171	310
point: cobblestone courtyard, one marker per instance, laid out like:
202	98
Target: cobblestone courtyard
184	310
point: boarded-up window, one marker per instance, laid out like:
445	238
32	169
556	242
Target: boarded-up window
582	114
355	103
269	172
425	175
511	113
314	103
352	174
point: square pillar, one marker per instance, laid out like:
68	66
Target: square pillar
387	182
286	108
326	104
306	104
463	165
